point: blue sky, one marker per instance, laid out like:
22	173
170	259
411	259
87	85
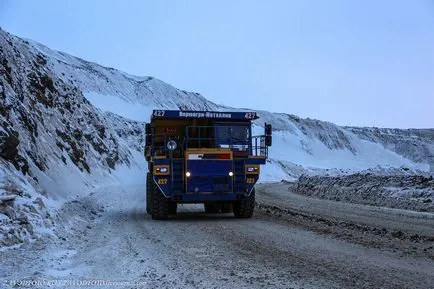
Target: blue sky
351	62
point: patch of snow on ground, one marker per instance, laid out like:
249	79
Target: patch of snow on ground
34	213
133	175
29	216
273	172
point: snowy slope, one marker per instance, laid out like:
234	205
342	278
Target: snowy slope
54	144
299	142
303	142
117	88
301	153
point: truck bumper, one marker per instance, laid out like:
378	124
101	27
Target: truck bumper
211	197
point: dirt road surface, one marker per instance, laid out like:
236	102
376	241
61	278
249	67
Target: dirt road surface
291	242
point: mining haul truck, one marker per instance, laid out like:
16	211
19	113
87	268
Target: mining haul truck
203	157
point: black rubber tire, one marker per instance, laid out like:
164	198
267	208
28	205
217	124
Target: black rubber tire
160	204
244	208
211	208
148	193
172	208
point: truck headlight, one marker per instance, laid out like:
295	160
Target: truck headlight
171	145
161	170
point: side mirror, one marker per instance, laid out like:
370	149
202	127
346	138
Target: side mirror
268	140
268	129
147	153
148	128
148	140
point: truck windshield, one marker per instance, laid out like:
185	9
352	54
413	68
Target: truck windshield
232	135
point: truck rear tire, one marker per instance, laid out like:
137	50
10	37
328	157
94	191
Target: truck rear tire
160	204
148	193
244	208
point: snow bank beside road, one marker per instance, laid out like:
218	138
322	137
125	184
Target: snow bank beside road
35	211
29	216
395	191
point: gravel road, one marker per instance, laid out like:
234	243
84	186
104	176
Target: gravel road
291	242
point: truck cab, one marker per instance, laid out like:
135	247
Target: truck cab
203	157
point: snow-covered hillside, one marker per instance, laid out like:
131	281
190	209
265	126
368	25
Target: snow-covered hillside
320	147
311	144
69	125
54	141
300	145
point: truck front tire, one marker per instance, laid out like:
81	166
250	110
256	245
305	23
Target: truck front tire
148	193
244	208
160	204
